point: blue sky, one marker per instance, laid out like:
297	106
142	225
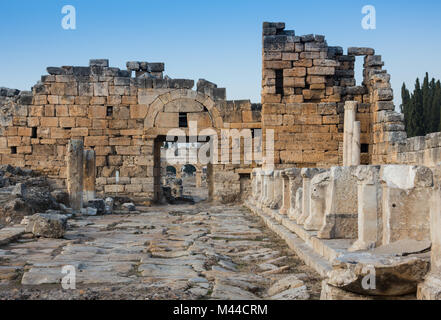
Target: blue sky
216	40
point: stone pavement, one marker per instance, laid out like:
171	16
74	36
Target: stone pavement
169	252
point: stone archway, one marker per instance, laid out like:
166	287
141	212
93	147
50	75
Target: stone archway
164	114
182	101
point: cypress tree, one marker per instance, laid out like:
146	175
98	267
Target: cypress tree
426	105
417	112
405	96
437	103
422	108
434	108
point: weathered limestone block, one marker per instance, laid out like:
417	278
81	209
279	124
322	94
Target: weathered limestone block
340	221
373	274
369	208
406	209
75	154
295	183
48	225
307	175
319	190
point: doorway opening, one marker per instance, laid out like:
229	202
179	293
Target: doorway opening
178	177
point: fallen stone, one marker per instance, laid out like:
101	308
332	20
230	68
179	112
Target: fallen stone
98	204
393	275
89	211
49	225
129	206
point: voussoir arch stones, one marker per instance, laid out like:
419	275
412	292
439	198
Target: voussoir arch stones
182	98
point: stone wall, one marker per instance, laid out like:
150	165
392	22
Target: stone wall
123	115
305	84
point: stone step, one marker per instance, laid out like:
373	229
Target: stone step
329	249
9	234
303	249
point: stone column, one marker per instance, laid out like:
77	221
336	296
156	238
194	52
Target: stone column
369	207
355	154
178	172
198	179
74	161
258	194
89	175
307	175
286	201
263	180
350	113
253	184
319	185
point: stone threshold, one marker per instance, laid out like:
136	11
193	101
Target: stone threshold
315	253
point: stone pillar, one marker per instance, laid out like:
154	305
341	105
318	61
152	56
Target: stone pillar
264	179
356	151
253	184
369	207
350	113
295	183
198	179
286	201
278	190
405	202
89	175
258	195
430	289
178	173
341	215
307	175
269	188
319	185
74	159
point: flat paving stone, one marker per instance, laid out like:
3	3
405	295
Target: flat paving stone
201	251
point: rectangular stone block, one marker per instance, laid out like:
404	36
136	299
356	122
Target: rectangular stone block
128	150
96	141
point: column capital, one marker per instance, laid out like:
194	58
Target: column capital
351	105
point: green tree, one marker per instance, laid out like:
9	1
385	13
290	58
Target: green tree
405	96
422	108
417	127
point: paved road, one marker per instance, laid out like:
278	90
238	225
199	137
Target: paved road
170	252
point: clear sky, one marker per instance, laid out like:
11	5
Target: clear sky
216	40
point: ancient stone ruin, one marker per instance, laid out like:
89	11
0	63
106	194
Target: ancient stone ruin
344	187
